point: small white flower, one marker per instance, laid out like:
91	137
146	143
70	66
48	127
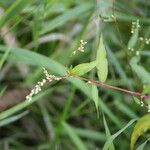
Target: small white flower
148	108
89	82
141	38
142	104
137	53
81	47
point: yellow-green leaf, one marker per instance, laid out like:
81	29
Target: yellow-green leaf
102	63
142	125
81	69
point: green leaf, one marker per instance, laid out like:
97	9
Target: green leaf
9	120
117	66
5	55
95	97
133	39
14	10
3	90
74	137
142	125
90	134
140	71
24	104
146	89
32	58
136	100
110	140
143	145
108	134
125	109
81	69
60	20
102	63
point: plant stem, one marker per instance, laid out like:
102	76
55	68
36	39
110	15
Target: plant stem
143	96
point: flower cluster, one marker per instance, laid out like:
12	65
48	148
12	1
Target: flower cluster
36	89
142	104
148	110
135	25
145	40
81	47
40	84
50	77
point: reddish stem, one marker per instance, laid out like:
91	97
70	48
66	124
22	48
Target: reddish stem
143	97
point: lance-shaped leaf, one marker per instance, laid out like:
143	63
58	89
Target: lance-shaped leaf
102	63
82	69
95	97
14	10
140	128
143	74
141	147
108	134
133	39
114	136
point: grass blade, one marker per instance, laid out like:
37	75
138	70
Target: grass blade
32	58
5	55
60	20
108	134
14	10
141	147
73	136
110	140
13	118
22	105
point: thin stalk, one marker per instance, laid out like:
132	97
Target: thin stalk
143	96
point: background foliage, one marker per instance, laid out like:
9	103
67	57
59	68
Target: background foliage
36	34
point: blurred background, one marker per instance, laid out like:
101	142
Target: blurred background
36	34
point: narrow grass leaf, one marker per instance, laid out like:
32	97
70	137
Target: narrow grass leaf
4	57
108	134
142	125
32	58
47	120
136	100
133	40
102	63
128	18
90	134
82	69
14	10
143	75
60	20
112	138
141	147
145	53
117	65
73	136
22	105
125	109
69	101
95	97
9	120
3	90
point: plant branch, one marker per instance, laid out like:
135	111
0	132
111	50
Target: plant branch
142	96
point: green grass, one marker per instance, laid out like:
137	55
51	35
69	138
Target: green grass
63	115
